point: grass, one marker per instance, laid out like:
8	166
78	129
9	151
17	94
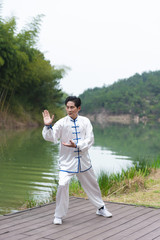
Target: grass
130	180
138	185
31	201
75	189
148	196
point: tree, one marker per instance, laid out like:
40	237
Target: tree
26	77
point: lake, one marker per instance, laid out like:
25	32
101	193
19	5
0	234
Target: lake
29	164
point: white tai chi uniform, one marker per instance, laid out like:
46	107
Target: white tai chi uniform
74	160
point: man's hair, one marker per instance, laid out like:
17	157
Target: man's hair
74	99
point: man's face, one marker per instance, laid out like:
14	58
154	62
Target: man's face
72	110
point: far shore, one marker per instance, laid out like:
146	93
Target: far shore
10	121
103	118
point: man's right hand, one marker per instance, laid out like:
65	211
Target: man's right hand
46	118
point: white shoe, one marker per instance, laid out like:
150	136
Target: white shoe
104	212
57	221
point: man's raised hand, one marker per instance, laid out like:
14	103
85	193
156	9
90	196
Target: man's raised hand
46	118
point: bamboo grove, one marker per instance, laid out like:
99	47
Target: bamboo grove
28	82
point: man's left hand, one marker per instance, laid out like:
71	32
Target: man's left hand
71	144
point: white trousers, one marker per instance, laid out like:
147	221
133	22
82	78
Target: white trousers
88	182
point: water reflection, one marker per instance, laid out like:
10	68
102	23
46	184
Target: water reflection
135	141
107	161
28	166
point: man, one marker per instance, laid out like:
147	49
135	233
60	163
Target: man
76	137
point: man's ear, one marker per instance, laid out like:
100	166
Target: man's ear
79	108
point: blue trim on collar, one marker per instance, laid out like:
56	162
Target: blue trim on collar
73	120
49	126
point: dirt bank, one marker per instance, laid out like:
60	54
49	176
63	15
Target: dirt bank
9	121
103	118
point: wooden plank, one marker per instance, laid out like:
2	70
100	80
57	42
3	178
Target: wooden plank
147	228
37	237
86	228
73	216
100	230
37	223
40	209
136	225
24	214
34	214
15	237
81	222
28	218
76	219
32	225
154	234
121	232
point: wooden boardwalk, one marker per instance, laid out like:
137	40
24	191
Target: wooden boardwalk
128	223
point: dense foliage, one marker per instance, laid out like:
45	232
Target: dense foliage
139	94
28	82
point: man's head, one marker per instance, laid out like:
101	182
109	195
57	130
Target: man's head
73	106
74	99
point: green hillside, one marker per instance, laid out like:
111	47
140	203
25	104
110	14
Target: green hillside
137	95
